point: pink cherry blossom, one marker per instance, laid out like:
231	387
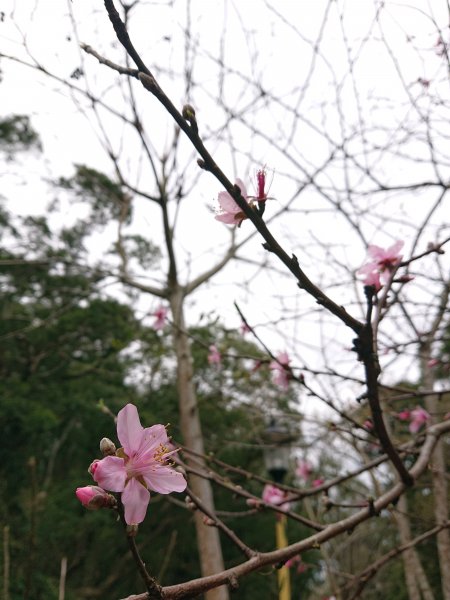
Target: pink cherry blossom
140	465
386	259
404	415
383	263
214	357
373	279
303	470
273	495
368	424
419	416
230	213
93	497
318	482
161	317
281	370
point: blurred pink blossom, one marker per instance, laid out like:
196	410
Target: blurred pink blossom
161	317
280	374
273	495
433	362
318	482
419	416
214	357
296	561
140	465
229	211
404	415
368	424
244	328
373	278
303	470
382	262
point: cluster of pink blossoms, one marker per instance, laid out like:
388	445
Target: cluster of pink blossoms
417	418
273	495
140	465
383	262
229	211
281	373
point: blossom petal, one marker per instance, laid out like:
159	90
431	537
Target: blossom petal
164	479
393	250
228	203
110	473
228	218
135	499
129	429
376	252
152	438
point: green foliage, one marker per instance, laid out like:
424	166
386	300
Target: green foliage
106	198
16	134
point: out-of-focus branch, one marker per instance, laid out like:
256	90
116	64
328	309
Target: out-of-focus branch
363	578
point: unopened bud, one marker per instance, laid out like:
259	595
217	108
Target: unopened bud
107	447
94	497
188	112
208	521
92	467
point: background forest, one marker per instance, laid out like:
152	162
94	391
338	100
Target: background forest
118	286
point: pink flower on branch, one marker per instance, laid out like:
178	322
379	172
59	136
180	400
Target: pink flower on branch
214	357
281	372
140	465
404	415
383	262
303	470
386	259
229	211
419	416
318	482
273	495
161	317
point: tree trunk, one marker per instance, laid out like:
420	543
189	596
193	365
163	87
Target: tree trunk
416	581
210	551
439	480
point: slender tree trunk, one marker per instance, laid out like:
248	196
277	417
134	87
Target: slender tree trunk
416	581
208	541
438	470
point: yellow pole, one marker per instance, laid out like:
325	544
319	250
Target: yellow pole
284	582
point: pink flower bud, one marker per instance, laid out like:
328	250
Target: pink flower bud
93	497
93	467
404	415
